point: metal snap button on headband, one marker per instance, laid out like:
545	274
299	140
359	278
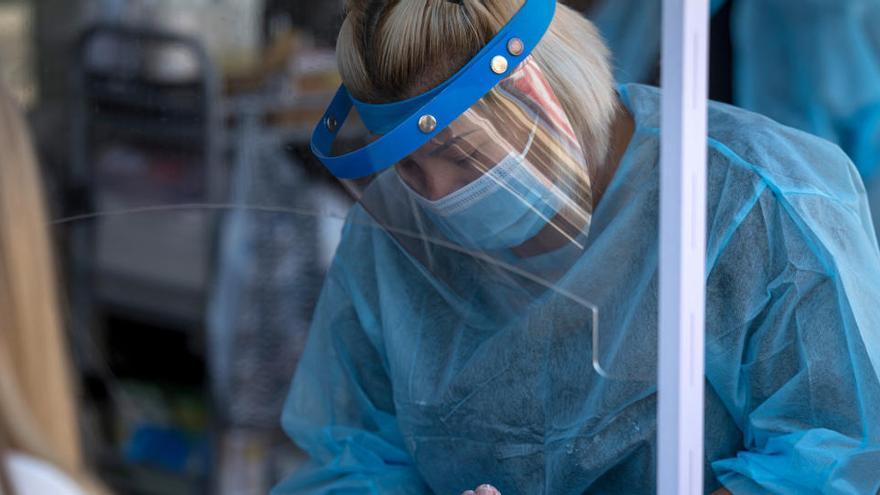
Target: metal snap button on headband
427	124
499	64
515	47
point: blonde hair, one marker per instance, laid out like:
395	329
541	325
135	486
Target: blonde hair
390	49
37	411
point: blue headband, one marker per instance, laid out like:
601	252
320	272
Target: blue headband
407	125
381	118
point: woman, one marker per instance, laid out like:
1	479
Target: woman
39	439
491	313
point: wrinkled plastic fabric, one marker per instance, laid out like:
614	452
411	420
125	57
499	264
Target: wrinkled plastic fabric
391	398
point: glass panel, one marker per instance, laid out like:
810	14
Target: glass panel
447	327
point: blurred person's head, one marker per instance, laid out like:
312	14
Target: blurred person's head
37	409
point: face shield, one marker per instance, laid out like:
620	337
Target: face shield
482	185
508	177
487	163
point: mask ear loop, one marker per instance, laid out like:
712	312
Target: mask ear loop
528	147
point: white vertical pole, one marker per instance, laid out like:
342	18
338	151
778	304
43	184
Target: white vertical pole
682	247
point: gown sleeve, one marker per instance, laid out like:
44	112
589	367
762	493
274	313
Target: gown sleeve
340	409
790	352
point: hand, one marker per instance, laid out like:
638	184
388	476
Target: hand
483	490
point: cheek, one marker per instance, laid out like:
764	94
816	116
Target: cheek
443	178
436	178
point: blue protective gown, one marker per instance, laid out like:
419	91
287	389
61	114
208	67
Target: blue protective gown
391	397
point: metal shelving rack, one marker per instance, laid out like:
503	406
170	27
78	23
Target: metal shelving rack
140	265
126	104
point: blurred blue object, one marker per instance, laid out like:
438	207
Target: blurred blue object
632	30
167	448
813	65
397	394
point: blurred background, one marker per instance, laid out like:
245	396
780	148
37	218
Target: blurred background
194	227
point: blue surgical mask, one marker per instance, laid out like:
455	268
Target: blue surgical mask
502	209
